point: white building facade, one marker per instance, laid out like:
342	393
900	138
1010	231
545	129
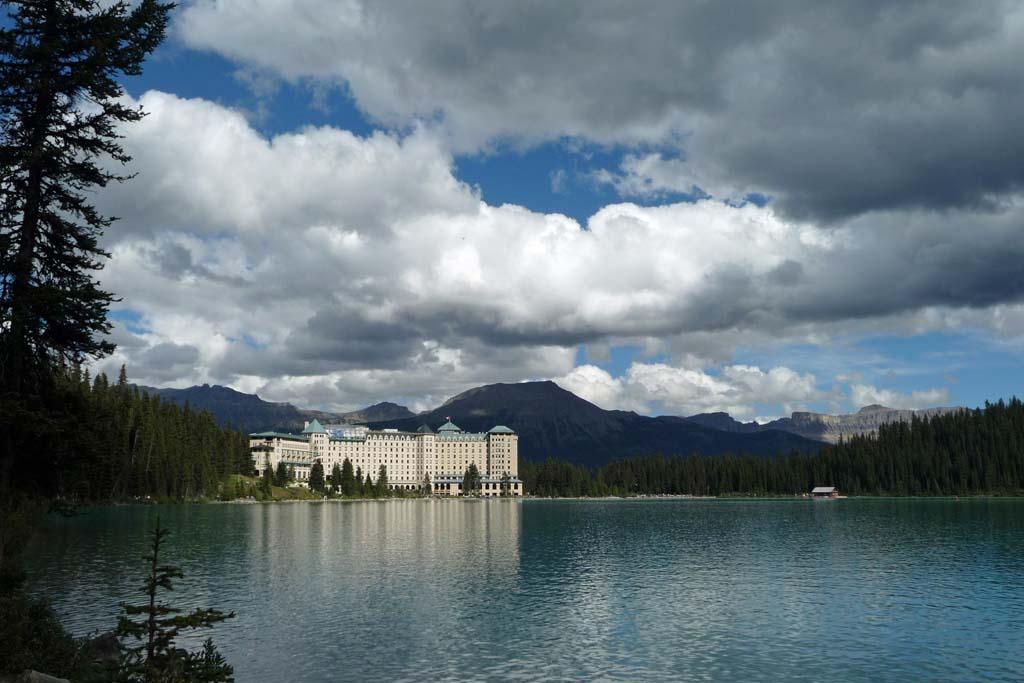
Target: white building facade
411	459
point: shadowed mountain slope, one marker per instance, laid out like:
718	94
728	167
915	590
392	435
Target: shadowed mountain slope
250	413
554	422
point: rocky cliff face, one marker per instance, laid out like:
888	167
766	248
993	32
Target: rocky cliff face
829	428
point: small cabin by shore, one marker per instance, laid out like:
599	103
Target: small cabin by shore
824	492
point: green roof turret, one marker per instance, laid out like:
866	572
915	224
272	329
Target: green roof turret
314	427
448	427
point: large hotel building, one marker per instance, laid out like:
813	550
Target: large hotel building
411	458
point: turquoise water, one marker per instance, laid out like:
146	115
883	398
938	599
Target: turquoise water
863	589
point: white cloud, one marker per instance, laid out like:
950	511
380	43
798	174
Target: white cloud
864	394
356	268
558	178
835	108
665	389
649	176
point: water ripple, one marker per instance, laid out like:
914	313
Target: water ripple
872	590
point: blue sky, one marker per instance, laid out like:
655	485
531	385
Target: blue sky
747	254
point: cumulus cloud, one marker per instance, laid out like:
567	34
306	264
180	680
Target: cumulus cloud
835	109
653	176
356	268
865	394
664	389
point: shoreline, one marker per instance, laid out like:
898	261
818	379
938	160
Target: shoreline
638	498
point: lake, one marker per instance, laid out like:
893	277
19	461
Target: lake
720	590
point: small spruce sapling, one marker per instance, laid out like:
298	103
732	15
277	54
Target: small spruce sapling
156	625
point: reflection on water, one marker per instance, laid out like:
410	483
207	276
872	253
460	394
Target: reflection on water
314	586
697	590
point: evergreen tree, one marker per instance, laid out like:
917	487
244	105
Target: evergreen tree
963	452
471	480
126	445
60	105
267	482
382	481
336	477
158	625
368	489
348	479
316	477
426	484
281	475
359	481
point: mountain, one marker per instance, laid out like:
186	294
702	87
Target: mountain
725	422
865	421
821	426
376	413
554	422
230	408
250	413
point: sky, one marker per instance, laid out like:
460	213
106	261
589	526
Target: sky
667	207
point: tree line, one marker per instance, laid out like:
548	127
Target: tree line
113	442
343	480
967	452
61	109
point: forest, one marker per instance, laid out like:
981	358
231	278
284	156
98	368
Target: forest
963	453
113	442
116	443
130	445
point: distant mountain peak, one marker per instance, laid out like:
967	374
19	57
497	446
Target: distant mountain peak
867	420
550	421
385	410
250	413
554	422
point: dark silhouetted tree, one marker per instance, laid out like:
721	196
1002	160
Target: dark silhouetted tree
336	478
348	478
316	477
267	482
156	626
61	102
471	480
281	476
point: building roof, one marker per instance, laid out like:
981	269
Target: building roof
314	427
424	429
449	426
279	435
823	489
500	429
461	436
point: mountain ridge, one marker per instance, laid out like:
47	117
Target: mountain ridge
824	427
250	413
554	422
